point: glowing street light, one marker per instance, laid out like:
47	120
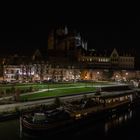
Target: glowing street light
98	72
126	76
97	76
86	77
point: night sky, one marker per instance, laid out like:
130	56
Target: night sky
102	32
109	32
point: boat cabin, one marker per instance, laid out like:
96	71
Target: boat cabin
39	117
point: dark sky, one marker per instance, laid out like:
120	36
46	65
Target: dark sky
101	32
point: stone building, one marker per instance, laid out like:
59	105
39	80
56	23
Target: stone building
67	58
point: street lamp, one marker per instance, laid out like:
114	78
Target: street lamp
98	75
116	79
126	75
85	81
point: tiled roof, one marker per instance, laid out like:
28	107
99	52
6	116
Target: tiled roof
107	52
19	51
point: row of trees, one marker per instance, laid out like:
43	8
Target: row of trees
15	91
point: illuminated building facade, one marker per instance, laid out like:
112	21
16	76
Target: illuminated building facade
67	58
108	61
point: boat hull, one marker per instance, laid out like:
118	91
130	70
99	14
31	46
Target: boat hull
72	124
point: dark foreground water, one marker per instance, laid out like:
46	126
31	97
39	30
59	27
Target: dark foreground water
124	125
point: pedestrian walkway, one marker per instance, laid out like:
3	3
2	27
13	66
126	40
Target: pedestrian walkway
49	89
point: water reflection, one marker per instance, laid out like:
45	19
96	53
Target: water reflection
97	129
117	120
9	130
114	125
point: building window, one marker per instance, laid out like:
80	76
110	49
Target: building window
12	71
114	55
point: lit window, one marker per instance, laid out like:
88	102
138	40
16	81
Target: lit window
107	60
78	116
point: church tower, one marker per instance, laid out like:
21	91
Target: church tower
51	40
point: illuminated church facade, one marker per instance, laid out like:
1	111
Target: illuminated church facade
71	46
67	58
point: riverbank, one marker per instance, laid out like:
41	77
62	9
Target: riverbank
17	108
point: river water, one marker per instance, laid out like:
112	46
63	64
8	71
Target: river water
117	126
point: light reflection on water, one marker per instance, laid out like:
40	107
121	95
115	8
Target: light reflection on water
117	120
101	128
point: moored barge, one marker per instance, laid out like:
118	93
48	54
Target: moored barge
74	112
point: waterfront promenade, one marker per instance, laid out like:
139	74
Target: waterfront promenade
47	101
